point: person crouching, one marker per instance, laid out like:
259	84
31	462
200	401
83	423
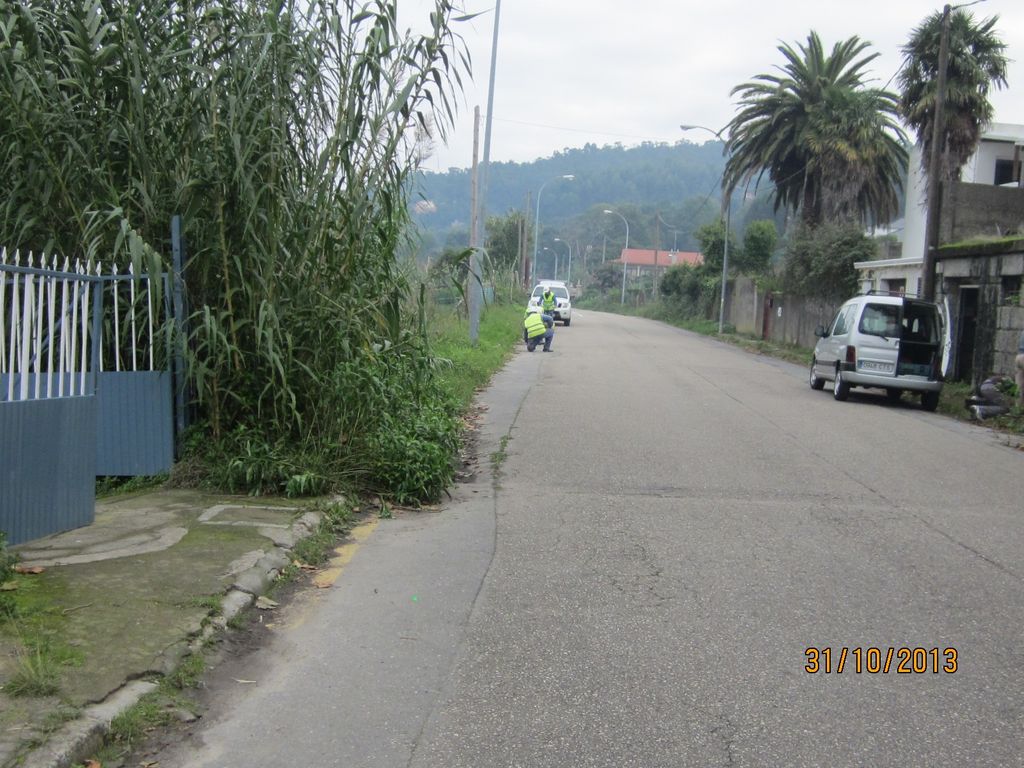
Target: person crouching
538	327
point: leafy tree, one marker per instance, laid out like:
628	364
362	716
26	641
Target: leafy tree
831	146
819	260
606	276
977	63
759	243
690	290
712	244
503	240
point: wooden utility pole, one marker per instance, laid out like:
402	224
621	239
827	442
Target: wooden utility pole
931	244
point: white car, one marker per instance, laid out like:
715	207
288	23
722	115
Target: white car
563	306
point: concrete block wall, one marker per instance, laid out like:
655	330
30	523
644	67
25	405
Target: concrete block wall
794	318
972	210
1009	324
745	306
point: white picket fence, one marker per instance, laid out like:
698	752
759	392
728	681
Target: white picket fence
47	325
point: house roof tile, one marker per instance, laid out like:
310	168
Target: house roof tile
643	257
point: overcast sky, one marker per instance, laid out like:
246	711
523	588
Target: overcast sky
571	72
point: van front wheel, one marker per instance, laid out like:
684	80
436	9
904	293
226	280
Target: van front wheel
816	381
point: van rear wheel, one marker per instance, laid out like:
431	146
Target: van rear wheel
840	389
929	400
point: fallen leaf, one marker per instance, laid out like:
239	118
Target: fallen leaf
32	570
92	764
265	603
321	585
8	586
244	682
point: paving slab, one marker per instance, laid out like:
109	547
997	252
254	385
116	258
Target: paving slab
116	601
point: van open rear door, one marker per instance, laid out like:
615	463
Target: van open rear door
947	336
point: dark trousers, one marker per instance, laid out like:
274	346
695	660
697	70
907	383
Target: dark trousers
531	344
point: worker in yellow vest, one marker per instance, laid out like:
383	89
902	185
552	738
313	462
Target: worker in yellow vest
548	302
538	327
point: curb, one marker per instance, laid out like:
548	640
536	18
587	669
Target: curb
75	741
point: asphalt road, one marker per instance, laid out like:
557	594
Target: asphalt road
676	522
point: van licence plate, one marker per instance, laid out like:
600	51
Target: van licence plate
875	367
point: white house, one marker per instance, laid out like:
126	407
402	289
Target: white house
996	162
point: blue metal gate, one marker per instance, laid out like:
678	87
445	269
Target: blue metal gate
85	389
50	324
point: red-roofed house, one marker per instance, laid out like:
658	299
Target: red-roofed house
644	260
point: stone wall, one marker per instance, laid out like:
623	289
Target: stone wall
745	306
973	210
1000	317
1009	324
792	319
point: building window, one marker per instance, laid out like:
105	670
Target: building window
1010	290
897	286
1004	172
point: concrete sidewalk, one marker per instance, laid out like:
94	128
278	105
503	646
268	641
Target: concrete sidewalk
128	597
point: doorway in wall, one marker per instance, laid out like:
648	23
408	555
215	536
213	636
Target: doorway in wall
968	315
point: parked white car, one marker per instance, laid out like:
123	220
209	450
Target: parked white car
563	305
889	342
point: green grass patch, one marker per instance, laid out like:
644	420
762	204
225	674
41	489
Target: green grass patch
211	603
37	673
499	456
188	673
119	486
335	521
470	367
157	709
35	630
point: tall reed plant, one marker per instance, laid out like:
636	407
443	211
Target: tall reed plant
284	133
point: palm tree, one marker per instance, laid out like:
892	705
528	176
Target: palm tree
831	146
976	63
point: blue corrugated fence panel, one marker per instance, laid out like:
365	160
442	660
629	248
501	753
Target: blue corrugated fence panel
136	423
47	466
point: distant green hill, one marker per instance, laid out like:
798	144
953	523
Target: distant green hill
646	175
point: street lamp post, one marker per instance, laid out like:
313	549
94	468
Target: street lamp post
727	204
554	256
560	240
608	210
536	220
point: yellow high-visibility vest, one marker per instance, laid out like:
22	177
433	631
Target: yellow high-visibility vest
549	300
534	325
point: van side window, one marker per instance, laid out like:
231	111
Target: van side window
841	324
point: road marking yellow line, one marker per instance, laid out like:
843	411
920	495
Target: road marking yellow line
344	554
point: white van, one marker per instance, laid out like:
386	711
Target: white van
563	305
894	343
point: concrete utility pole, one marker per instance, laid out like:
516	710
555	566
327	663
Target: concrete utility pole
524	253
931	243
475	289
478	218
726	211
